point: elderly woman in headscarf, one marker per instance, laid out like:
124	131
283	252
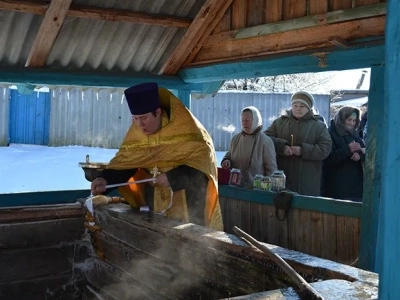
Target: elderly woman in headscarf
301	142
343	170
251	151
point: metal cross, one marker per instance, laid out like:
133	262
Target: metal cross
155	172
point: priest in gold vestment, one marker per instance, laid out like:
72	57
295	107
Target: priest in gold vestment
167	142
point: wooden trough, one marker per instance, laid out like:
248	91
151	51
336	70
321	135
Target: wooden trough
46	253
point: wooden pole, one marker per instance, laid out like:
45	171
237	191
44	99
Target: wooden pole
293	275
372	172
389	230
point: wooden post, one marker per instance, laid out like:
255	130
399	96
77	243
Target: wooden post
184	96
372	172
389	221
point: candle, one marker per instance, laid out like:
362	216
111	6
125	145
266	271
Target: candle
291	140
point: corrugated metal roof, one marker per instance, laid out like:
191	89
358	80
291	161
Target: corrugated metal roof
96	44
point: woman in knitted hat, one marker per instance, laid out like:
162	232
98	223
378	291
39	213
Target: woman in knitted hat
301	142
342	170
250	150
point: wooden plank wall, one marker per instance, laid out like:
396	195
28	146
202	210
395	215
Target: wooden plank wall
151	256
169	266
38	249
319	234
247	13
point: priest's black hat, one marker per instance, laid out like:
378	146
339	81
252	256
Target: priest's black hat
142	98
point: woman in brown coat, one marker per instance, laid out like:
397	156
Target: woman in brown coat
301	142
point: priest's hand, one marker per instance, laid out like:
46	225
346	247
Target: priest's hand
162	180
98	186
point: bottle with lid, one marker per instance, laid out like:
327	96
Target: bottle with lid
257	182
278	181
235	177
266	183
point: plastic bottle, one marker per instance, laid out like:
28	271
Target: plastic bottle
278	181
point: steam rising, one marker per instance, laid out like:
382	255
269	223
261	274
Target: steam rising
227	128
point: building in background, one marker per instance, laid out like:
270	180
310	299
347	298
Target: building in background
100	118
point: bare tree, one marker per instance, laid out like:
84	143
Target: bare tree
312	82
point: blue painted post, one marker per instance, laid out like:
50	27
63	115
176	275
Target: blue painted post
389	225
184	96
372	172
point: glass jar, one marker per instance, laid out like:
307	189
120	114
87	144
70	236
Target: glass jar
266	183
236	177
257	182
278	181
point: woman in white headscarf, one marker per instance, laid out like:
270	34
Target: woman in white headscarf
251	151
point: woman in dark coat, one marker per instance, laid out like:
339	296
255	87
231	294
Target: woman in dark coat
343	169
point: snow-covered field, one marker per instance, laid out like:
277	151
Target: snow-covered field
31	168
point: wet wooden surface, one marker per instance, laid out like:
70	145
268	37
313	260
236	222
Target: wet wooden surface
169	259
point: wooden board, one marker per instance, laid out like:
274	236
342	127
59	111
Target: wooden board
318	6
24	264
348	239
329	247
294	9
40	233
223	259
339	4
65	286
225	23
239	15
273	11
167	257
221	47
311	232
255	12
317	240
366	2
41	212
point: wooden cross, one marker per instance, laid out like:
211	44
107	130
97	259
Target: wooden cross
155	172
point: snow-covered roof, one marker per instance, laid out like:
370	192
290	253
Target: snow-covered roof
354	102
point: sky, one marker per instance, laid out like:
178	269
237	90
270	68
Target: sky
347	80
32	168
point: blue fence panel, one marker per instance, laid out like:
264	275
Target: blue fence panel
29	118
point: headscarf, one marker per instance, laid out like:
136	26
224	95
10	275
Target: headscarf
340	120
256	125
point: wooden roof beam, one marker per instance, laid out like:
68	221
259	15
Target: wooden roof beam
333	17
226	48
48	31
203	24
82	78
88	12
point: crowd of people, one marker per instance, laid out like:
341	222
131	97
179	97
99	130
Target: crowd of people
170	148
318	159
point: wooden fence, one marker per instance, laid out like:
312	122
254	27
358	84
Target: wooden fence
322	227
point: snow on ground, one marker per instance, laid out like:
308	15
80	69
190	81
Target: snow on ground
31	168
